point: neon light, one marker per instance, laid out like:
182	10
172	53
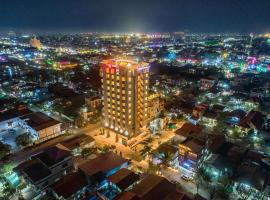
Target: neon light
186	164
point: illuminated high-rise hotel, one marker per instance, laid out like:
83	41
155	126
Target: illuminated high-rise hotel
125	91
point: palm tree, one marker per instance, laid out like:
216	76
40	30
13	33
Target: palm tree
198	178
145	151
104	149
167	158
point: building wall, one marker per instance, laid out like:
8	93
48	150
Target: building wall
155	106
58	171
125	92
50	132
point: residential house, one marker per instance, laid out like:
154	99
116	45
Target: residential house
46	167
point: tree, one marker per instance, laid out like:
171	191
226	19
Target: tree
87	151
104	149
24	139
7	169
167	158
221	124
145	151
152	169
4	150
219	192
199	177
222	193
8	191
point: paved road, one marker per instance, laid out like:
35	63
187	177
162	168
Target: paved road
175	176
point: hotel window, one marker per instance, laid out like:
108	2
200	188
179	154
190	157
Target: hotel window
123	79
129	79
117	78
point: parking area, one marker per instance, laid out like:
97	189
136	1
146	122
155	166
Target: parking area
10	131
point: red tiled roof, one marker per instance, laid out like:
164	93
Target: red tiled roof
189	128
69	185
103	163
124	178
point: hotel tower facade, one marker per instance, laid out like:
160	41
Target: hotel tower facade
125	94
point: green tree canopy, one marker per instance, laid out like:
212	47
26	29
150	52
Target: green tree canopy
4	150
24	139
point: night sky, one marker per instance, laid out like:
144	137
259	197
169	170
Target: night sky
135	16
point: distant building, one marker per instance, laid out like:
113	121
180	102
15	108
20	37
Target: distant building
208	83
34	42
125	97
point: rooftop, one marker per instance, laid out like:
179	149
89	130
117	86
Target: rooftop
53	155
16	112
194	145
39	121
153	187
188	129
69	185
77	141
103	163
124	178
34	169
253	175
127	195
124	63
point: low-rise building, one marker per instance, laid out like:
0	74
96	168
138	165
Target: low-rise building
46	167
191	153
72	186
208	83
98	169
153	187
155	106
46	127
77	143
165	154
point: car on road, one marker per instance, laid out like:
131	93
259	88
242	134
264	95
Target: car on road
186	178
